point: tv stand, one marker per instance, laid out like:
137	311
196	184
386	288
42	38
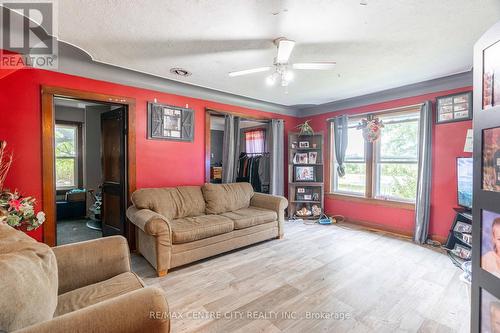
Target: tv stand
459	239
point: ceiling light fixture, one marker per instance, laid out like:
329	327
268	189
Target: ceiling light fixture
281	73
180	71
363	2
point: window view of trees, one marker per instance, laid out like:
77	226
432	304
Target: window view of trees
395	160
397	157
66	156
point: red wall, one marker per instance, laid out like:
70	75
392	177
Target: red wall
447	144
159	163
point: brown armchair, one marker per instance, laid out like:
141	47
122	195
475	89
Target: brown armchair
93	289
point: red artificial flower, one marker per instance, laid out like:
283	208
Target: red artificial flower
15	204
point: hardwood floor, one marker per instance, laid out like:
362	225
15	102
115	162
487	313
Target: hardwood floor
317	279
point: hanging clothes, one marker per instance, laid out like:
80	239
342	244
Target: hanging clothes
254	169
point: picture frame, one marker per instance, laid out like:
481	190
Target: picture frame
454	107
463	227
304	174
462	252
490	231
294	145
301	190
300	158
167	122
307	196
313	157
303	144
490	311
491	159
491	76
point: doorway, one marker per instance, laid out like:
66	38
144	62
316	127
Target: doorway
250	148
89	165
88	145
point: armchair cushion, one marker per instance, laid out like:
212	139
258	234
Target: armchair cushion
84	263
143	310
190	229
248	217
222	198
97	292
28	280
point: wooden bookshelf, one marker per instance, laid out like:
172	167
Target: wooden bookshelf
305	173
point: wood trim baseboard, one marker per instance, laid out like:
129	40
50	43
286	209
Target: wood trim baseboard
391	230
372	201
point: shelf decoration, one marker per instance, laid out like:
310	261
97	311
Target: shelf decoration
371	129
305	128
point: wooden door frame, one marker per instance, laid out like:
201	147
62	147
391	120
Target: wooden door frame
211	112
48	169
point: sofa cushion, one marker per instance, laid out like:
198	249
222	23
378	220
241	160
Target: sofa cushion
248	217
221	198
173	203
97	292
28	280
190	229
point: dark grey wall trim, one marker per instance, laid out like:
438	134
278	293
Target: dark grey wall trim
75	61
444	83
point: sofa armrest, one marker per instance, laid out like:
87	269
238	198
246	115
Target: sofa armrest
148	221
143	310
84	263
272	202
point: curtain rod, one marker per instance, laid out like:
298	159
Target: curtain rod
241	115
401	108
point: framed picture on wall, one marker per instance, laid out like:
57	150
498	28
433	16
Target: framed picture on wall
491	76
456	107
491	159
490	242
166	122
490	312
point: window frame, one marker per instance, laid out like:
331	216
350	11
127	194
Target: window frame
78	158
371	160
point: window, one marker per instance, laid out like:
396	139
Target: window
66	151
354	181
255	141
386	169
396	156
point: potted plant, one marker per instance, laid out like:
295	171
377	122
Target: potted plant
16	210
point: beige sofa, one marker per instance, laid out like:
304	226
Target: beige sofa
180	225
81	287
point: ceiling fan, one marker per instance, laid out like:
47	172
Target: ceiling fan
281	67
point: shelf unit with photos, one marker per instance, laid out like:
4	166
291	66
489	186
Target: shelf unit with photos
305	175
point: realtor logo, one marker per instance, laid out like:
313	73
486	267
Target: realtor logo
28	35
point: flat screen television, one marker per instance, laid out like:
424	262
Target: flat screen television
464	181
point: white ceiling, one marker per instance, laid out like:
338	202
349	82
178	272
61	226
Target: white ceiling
383	45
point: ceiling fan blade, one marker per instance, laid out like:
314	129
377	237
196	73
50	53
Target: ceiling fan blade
249	71
285	48
315	65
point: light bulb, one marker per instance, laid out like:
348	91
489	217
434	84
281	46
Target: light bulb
270	80
288	76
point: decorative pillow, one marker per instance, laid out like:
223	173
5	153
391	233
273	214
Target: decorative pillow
28	280
173	203
222	198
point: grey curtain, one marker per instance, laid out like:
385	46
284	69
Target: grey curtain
230	148
277	156
423	204
340	127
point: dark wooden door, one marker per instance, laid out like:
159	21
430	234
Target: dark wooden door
113	156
